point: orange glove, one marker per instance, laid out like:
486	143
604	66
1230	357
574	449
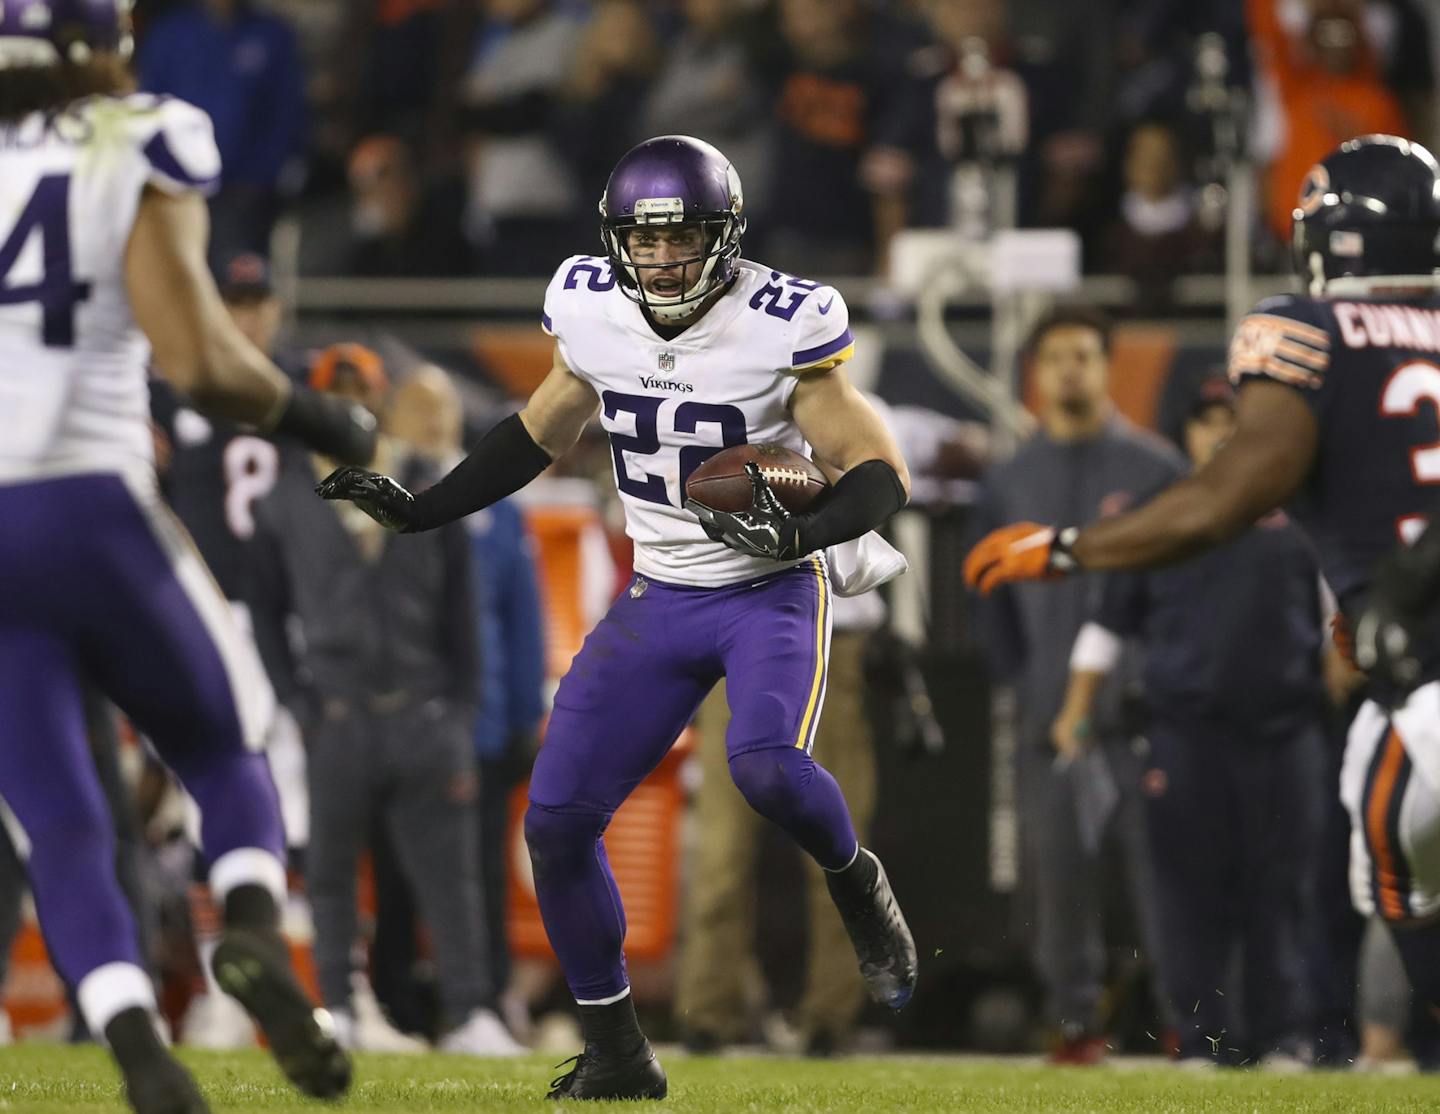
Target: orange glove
1023	551
1340	635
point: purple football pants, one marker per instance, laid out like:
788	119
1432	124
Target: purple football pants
630	691
97	582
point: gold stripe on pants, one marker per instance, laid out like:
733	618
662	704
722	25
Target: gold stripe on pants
717	960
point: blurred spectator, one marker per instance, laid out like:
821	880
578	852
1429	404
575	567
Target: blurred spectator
1059	160
397	227
242	66
1403	35
523	198
1321	84
399	51
1156	235
386	689
1085	462
848	117
708	85
600	117
1155	46
1233	695
427	414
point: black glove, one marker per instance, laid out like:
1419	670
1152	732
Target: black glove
1385	638
767	529
382	498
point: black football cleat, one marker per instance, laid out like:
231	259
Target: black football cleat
602	1075
163	1087
877	928
254	968
155	1082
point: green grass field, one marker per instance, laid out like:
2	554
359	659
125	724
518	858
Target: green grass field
57	1080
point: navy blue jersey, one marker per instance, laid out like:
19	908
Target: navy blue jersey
1370	371
217	472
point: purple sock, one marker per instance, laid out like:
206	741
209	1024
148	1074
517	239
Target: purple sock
787	786
578	899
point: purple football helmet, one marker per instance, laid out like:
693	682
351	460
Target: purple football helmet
43	32
673	180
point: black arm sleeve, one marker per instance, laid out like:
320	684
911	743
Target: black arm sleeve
863	499
506	459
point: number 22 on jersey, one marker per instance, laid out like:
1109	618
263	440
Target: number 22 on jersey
44	221
703	421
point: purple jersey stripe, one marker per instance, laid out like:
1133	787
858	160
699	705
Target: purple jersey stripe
163	159
820	351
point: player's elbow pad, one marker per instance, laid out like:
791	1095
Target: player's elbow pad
506	459
863	499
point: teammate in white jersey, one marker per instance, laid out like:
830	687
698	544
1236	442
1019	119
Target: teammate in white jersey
683	348
103	232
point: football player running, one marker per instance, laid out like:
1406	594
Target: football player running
103	231
684	348
1338	415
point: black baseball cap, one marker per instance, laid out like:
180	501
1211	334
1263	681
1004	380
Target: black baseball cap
244	276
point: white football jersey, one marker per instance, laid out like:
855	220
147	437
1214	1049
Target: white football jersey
669	405
73	393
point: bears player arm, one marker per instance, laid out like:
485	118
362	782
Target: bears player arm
850	438
506	459
199	349
1261	466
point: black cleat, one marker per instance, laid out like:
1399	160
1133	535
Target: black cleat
599	1075
877	928
155	1083
254	968
163	1087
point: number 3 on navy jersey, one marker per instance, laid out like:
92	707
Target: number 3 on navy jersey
688	418
1408	387
48	213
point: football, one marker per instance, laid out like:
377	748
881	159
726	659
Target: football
722	485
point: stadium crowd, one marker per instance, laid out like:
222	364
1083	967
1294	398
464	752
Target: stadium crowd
440	138
437	137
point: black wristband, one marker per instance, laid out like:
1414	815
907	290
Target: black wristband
863	499
332	426
506	459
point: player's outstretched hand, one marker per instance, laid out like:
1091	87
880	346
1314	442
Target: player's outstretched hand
765	530
382	498
1023	551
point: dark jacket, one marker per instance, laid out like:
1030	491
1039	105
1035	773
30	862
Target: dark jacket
399	629
1029	629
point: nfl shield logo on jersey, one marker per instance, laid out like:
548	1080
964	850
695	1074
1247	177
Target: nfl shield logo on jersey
667	361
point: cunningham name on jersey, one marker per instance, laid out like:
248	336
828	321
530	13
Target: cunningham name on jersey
73	395
668	405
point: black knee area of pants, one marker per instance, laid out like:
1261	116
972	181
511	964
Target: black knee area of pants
772	780
561	843
1420	952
